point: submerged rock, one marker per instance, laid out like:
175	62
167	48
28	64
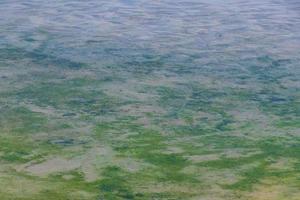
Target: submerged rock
63	142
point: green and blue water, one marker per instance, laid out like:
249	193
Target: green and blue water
136	99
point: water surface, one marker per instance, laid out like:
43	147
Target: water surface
136	99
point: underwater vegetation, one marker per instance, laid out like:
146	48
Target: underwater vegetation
137	100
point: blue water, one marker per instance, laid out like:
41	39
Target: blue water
193	33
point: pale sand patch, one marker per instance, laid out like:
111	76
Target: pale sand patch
283	164
44	110
68	177
223	177
144	121
274	192
202	158
191	169
210	177
173	149
217	177
128	91
20	187
238	153
207	193
131	165
252	114
168	188
52	165
214	192
175	122
91	159
91	164
59	164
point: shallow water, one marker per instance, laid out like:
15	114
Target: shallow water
187	99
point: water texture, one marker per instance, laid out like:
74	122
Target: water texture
136	99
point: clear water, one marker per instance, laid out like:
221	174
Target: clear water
187	99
